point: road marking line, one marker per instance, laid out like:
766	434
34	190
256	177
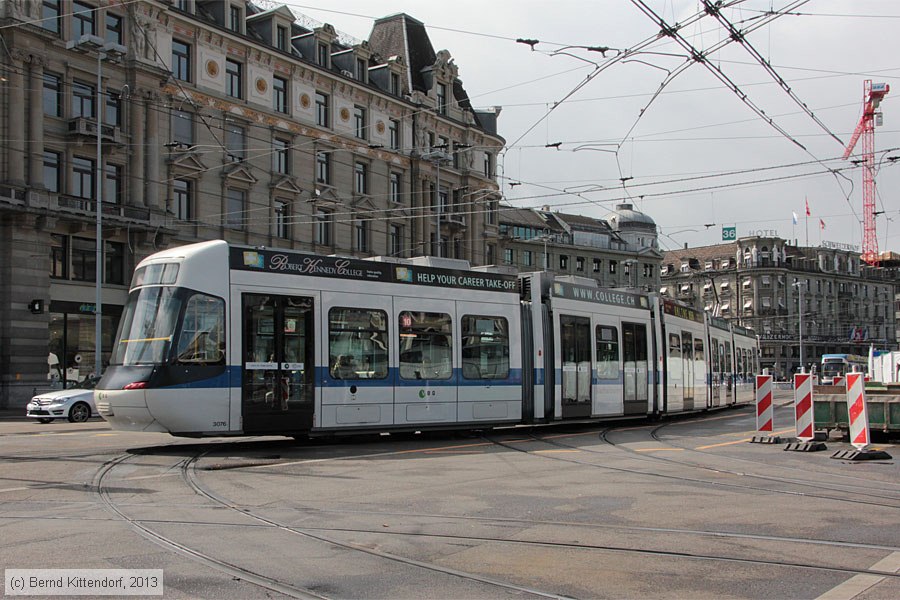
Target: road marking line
104	434
660	450
858	584
741	441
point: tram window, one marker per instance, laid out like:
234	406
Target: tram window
154	274
357	343
426	345
607	352
201	339
687	347
485	347
698	350
148	324
674	345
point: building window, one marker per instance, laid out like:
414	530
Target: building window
281	156
281	37
50	12
52	95
394	191
396	240
182	205
279	94
395	84
324	226
323	167
321	109
234	18
491	212
84	259
114	28
234	209
82	100
181	61
113	114
579	263
489	251
282	227
442	98
52	171
394	133
114	261
487	164
359	122
597	265
322	55
527	258
234	141
183	128
82	177
509	256
82	19
362	235
59	266
362	69
563	262
612	267
361	178
112	190
233	79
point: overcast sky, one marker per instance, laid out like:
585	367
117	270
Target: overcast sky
697	155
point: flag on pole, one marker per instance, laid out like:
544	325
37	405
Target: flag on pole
807	209
795	217
822	224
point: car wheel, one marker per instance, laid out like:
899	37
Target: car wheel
79	413
45	420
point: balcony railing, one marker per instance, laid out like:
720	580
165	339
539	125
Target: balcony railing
88	205
83	127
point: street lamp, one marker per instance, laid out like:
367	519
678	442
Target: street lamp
104	50
436	157
801	285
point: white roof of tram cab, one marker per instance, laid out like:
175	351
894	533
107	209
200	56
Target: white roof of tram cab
206	272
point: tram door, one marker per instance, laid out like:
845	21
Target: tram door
687	355
715	375
634	357
575	350
278	363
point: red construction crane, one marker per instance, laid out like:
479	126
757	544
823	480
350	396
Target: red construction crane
872	95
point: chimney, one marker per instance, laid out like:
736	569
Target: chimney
685	245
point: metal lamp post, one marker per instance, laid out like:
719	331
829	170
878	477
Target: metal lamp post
104	50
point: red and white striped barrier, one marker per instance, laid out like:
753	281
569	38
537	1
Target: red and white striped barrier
764	409
803	407
838	380
856	408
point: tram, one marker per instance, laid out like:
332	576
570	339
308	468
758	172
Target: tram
219	339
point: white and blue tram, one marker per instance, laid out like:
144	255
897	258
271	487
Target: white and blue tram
219	339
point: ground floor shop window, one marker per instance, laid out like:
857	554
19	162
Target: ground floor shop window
72	354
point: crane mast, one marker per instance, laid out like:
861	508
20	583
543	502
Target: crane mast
872	96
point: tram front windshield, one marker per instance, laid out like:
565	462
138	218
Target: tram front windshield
148	326
833	368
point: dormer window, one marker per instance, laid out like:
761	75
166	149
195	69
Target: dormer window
362	69
708	265
395	84
281	37
442	98
322	55
234	18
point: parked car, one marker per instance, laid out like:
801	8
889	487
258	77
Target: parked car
75	404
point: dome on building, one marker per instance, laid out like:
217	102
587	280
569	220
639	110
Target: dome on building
625	217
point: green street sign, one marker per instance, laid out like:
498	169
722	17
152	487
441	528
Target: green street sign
729	234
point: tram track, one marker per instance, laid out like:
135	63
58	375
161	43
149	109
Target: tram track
310	531
187	467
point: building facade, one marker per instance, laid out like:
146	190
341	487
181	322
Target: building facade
759	283
187	120
621	250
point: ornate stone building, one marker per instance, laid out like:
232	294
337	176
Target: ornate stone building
758	282
218	119
620	250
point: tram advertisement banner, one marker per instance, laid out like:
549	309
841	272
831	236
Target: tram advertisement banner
311	265
598	295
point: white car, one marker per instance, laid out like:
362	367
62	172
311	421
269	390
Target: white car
75	404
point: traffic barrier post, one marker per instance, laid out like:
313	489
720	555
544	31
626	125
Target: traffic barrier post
803	407
859	423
